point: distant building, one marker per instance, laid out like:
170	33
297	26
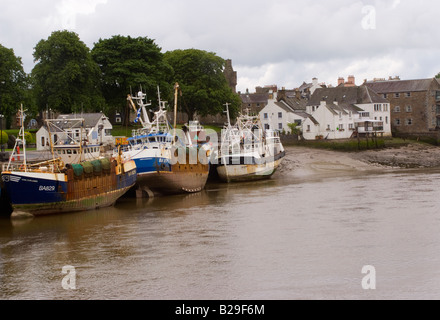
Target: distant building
254	102
351	82
340	112
307	89
231	75
415	104
96	130
277	115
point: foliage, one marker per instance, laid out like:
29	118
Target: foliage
438	76
13	84
4	137
127	64
202	82
294	129
65	77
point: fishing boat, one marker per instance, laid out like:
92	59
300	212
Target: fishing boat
77	178
166	159
247	151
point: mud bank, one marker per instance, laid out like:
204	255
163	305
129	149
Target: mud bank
305	162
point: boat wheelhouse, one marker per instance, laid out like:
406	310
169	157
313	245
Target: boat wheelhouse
68	182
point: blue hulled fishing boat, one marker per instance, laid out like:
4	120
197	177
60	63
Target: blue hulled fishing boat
167	162
76	179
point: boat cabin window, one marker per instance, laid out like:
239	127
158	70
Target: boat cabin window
152	139
74	152
69	151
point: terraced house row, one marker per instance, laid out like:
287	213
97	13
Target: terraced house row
385	107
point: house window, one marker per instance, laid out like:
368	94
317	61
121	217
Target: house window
328	127
397	121
386	120
351	126
265	116
280	115
408	109
377	107
108	132
280	126
308	128
385	107
341	127
396	109
385	95
397	95
266	127
409	122
42	141
408	94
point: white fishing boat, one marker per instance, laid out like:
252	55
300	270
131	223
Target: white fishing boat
247	151
77	178
167	162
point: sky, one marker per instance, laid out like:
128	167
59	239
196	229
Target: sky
277	42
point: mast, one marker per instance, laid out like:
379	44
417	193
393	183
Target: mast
24	138
227	113
176	90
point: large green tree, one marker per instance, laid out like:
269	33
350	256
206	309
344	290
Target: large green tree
203	84
438	76
65	76
13	84
128	64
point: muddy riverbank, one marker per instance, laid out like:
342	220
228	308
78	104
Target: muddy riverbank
305	161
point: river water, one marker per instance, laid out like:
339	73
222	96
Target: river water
295	236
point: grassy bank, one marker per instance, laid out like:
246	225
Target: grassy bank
353	145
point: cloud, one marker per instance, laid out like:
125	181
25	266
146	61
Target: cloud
283	42
68	10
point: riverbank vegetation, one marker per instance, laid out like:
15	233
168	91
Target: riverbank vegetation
70	77
353	145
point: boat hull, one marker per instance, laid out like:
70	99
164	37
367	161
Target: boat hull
50	193
157	175
180	178
248	169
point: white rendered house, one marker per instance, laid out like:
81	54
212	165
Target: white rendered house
94	128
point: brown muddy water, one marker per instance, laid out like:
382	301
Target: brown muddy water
307	233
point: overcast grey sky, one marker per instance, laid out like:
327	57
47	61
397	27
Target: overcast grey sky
282	42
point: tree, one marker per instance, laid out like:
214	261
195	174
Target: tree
13	84
203	84
127	64
438	76
65	77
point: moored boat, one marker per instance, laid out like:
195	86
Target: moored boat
167	162
247	151
66	184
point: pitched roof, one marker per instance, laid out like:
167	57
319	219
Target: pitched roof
346	96
395	86
295	103
72	121
254	97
